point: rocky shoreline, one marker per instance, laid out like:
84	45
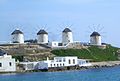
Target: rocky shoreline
105	64
94	65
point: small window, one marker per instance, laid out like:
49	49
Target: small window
54	64
64	60
57	65
69	61
66	35
60	64
63	64
60	60
68	40
73	61
51	65
10	64
0	64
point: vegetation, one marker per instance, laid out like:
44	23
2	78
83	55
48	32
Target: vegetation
93	52
20	58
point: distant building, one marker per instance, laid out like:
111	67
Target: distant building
17	36
63	62
42	37
7	63
95	38
67	36
28	65
53	44
57	62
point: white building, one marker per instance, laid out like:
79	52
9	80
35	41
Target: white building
57	62
42	37
83	62
7	63
95	38
53	44
29	65
63	62
67	36
17	36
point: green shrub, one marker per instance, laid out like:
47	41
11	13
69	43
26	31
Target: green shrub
93	52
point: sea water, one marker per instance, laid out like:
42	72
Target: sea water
99	74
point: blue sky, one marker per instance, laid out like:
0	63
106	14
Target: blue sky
54	15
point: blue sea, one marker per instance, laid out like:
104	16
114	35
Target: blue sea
100	74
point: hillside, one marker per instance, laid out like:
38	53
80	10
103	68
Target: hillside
27	52
35	52
92	52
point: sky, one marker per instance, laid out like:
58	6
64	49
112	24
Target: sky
81	16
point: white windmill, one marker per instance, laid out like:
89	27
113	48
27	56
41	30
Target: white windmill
17	36
67	36
42	37
95	37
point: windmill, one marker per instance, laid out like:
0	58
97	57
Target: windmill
95	37
67	36
17	36
42	35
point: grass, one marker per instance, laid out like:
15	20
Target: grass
93	52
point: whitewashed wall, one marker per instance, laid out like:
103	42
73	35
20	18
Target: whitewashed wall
42	38
95	40
5	60
18	38
67	37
